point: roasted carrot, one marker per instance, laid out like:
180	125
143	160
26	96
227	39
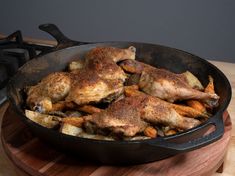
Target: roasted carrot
170	132
210	87
188	111
197	105
89	109
150	132
75	121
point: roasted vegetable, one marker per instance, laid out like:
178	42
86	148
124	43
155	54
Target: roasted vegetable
75	121
45	120
150	132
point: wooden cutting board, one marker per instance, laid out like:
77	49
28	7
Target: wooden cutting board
33	157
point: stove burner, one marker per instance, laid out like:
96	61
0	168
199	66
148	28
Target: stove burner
14	52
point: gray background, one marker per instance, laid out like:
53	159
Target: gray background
205	28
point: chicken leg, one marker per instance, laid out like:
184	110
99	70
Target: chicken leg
131	115
167	85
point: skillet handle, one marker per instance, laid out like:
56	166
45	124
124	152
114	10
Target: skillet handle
194	143
62	40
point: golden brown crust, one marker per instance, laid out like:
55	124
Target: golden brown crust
52	88
101	77
129	115
90	80
167	85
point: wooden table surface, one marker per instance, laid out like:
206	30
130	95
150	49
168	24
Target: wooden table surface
7	169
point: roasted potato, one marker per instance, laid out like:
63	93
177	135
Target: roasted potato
45	120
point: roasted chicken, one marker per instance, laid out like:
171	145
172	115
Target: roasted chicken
51	89
167	85
141	100
132	115
98	78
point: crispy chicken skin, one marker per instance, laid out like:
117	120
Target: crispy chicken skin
165	84
97	78
122	117
158	111
52	88
131	115
100	78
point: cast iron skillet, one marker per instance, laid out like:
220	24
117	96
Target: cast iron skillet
122	152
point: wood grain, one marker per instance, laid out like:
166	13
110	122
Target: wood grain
7	168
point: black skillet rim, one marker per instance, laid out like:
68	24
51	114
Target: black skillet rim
124	142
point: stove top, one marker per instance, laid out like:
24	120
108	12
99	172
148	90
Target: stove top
14	52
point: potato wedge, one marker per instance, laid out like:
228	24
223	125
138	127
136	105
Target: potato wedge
193	80
70	129
45	120
95	136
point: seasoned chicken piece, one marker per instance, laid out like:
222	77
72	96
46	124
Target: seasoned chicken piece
123	117
167	85
182	110
51	89
96	78
158	111
131	115
100	78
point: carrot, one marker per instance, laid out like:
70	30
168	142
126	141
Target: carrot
188	111
197	105
89	109
210	87
170	132
75	121
150	132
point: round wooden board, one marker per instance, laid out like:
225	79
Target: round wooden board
34	157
